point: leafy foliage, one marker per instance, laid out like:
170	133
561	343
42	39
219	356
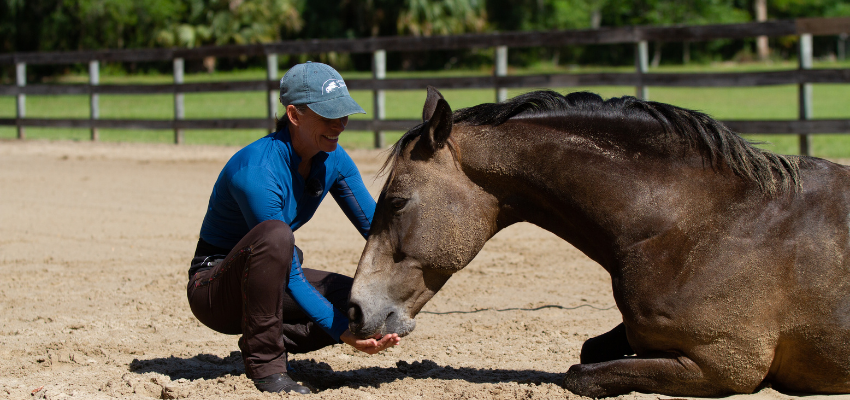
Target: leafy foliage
219	22
426	18
40	25
47	25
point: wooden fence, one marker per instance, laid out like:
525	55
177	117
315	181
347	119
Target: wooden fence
804	76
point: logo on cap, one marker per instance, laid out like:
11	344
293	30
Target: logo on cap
332	84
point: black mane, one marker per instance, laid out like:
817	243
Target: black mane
772	172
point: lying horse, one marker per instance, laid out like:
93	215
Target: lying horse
730	264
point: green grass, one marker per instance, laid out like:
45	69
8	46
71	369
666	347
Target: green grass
768	102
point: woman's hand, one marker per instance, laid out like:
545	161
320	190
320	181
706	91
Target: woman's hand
371	345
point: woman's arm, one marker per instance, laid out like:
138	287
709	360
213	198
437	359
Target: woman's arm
352	196
328	317
258	194
316	306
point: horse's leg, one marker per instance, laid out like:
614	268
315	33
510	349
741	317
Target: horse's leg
669	375
611	345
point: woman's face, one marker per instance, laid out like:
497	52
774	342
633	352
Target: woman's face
314	133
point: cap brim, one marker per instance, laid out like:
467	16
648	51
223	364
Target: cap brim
336	108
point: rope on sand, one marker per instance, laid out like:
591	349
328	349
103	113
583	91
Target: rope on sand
518	309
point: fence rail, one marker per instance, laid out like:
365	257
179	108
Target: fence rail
474	82
803	76
808	127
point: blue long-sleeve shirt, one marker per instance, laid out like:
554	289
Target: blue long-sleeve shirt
261	182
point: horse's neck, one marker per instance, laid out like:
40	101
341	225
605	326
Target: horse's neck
565	184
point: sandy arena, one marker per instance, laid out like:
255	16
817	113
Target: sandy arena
95	242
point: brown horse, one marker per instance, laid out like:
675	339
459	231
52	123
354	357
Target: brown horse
730	264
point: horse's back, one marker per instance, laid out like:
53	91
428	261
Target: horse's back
815	171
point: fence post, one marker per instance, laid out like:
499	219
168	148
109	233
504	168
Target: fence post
94	103
179	111
641	67
379	71
21	109
501	70
805	91
274	94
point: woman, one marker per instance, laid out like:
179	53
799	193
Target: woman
246	277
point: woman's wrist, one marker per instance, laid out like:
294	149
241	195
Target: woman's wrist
348	338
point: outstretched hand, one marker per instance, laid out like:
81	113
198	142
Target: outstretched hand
371	345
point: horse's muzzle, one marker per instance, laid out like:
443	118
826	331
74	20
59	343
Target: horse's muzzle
364	323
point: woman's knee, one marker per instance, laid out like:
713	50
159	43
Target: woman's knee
275	229
274	236
271	249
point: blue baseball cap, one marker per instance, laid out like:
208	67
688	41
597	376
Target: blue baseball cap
319	87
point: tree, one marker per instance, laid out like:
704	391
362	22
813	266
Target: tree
448	17
510	15
221	22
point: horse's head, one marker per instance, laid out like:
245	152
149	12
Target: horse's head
431	220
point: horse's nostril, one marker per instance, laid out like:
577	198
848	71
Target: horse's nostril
355	314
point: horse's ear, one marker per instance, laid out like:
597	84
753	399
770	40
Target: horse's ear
431	103
439	126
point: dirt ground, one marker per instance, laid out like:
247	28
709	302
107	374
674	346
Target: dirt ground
95	242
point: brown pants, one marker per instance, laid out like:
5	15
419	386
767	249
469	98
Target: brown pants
246	294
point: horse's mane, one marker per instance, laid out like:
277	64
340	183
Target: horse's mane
773	173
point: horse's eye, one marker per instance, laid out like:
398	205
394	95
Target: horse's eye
397	203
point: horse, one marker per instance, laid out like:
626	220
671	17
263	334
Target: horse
730	264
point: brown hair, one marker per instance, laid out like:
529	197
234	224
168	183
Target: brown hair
282	121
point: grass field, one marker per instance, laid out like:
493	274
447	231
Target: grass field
770	102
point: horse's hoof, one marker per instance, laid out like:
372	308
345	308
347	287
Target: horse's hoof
579	381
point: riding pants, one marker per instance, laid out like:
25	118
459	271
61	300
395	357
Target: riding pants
245	293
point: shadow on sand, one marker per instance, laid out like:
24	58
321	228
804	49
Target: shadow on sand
322	377
201	366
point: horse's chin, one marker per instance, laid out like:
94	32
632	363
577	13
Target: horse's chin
404	327
400	326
